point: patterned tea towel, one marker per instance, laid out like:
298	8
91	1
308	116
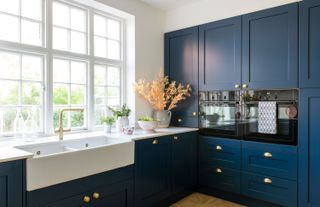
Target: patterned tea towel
267	122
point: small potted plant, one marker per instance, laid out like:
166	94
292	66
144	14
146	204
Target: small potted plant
122	116
148	123
108	123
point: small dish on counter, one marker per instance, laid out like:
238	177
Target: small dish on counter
128	130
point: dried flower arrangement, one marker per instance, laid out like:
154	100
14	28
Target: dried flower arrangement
161	93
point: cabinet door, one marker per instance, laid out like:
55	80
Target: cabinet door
184	161
309	148
181	65
74	201
270	48
309	44
116	195
152	171
220	55
11	184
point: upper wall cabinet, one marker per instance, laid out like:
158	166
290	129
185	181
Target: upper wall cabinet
310	44
270	48
181	65
220	55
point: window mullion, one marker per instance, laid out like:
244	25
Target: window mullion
90	79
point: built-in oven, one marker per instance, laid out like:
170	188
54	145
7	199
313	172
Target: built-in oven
219	113
270	116
262	115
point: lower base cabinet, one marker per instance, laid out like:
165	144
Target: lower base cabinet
112	189
164	167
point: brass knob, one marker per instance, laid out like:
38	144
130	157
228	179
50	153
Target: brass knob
267	155
86	199
218	170
194	113
175	138
155	141
218	148
245	85
96	195
179	120
237	86
267	181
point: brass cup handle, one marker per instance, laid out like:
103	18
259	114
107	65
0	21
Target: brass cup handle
86	199
96	195
155	141
175	138
237	86
267	181
267	155
218	148
218	170
194	114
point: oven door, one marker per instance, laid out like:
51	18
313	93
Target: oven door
219	119
273	122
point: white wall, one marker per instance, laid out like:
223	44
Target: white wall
149	48
204	11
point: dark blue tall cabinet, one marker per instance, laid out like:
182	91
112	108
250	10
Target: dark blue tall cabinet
181	65
270	48
220	55
11	184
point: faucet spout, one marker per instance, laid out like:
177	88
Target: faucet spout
61	130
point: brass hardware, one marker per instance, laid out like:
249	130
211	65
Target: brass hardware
155	141
96	195
267	155
194	113
179	120
237	86
86	199
267	181
175	138
218	170
60	130
245	85
218	148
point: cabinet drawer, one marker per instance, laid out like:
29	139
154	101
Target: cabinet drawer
270	159
270	189
184	121
219	151
220	178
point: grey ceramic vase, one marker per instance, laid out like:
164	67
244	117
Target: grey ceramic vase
164	118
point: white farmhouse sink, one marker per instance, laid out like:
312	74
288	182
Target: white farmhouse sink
62	161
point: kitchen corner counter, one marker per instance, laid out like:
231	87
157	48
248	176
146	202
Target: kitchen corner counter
8	154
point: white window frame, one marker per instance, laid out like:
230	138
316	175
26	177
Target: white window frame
49	53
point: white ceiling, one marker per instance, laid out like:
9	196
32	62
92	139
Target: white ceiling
168	4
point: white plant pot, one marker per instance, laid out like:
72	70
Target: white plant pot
122	122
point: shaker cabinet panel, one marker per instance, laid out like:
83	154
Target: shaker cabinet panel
309	148
270	48
181	65
220	55
310	44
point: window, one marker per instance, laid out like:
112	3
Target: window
21	92
107	89
69	28
69	91
21	21
106	37
67	61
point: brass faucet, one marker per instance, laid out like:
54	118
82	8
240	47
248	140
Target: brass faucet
60	130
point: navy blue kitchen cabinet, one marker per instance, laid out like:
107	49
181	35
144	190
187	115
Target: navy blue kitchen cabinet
181	65
309	44
152	170
113	188
164	168
220	55
270	48
309	148
184	161
11	184
220	163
